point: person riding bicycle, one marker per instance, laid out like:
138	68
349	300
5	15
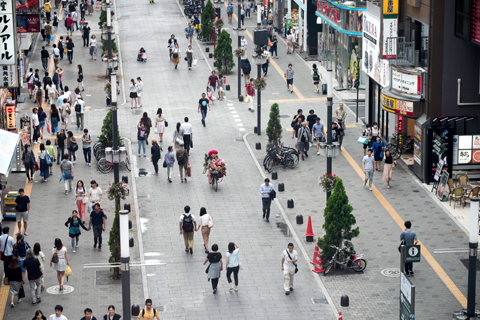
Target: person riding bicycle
214	163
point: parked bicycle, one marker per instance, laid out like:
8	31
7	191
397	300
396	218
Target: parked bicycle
286	156
106	166
397	149
355	261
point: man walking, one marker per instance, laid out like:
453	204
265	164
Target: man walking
83	8
189	33
45	57
289	77
97	219
296	127
149	313
410	239
318	132
56	56
86	35
6	246
80	111
265	190
367	164
88	315
230	12
23	210
87	147
303	140
341	114
289	267
187	135
212	82
187	225
75	18
69	25
202	107
35	275
58	314
48	32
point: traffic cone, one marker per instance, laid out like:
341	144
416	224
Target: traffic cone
317	261
309	234
340	317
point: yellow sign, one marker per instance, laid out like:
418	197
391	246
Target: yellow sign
390	6
388	103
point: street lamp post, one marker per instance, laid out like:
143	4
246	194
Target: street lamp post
472	258
240	32
125	263
109	37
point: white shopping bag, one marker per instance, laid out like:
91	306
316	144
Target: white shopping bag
194	63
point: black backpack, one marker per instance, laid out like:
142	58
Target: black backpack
247	68
316	77
187	224
154	313
78	107
39	92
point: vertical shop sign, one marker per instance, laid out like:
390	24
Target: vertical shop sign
375	67
11	121
390	6
7	33
417	144
390	28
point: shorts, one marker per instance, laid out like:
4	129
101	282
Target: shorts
304	146
368	145
290	81
20	215
133	95
69	29
316	82
30	85
42	124
318	139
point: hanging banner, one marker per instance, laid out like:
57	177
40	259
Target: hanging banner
11	121
408	83
7	33
373	66
9	76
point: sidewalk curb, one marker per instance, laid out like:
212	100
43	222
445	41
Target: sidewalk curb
292	230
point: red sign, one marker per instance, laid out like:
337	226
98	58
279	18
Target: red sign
11	122
27	23
476	156
335	15
331	12
318	5
400	124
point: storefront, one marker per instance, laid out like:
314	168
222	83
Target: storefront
341	39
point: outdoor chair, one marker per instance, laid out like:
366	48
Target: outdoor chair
457	195
463	180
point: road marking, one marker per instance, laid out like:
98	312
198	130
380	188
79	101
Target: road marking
236	116
232	108
233	111
230	105
298	100
289	129
241	129
351	126
238	120
425	253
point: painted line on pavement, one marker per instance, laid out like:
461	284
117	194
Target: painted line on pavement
298	100
425	253
294	233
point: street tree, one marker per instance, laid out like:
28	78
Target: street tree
223	53
274	127
207	22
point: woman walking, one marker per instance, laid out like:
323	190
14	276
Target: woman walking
59	254
54	118
190	57
221	83
81	194
73	224
72	146
133	94
155	154
378	147
316	77
44	167
93	47
80	77
203	225
29	161
42	116
112	315
233	264
273	47
178	135
182	161
139	87
38	314
176	55
160	123
60	141
215	267
148	124
37	251
90	7
169	160
388	167
15	279
70	47
141	137
66	112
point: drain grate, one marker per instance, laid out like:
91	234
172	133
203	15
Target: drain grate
319	301
391	272
416	190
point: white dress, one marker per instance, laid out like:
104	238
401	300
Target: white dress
62	262
160	123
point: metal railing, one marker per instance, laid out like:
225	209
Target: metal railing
400	52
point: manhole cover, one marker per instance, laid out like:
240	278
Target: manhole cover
56	290
391	272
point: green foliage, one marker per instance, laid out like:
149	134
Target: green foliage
223	53
207	22
105	46
338	222
106	138
274	127
114	240
102	19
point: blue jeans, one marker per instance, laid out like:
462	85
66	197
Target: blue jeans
48	38
54	125
213	88
247	12
87	154
45	63
204	115
140	144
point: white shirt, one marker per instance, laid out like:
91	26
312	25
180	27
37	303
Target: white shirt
95	193
61	255
204	220
35	119
133	87
56	53
31	78
74	15
139	86
42	154
93	42
54	317
82	104
286	264
182	216
243	43
50	89
187	128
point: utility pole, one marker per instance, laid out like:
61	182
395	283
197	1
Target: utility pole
329	121
239	46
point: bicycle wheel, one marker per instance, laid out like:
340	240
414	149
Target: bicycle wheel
268	164
328	267
102	166
359	265
127	164
99	154
393	150
215	182
289	161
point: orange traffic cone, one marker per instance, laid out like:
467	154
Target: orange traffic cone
317	261
309	233
340	316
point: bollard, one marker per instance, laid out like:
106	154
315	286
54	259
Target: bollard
344	301
281	187
324	88
290	203
126	206
130	224
299	219
258	146
274	175
131	243
207	49
215	63
125	179
210	55
254	129
240	98
135	310
227	87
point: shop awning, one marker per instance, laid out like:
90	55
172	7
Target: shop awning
408	106
8	145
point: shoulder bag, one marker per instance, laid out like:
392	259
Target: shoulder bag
296	268
210	222
3	251
55	257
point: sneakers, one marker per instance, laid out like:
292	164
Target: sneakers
287	293
318	153
89	164
370	189
364	183
74	250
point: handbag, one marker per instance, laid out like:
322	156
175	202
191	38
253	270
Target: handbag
3	252
79	79
189	171
175	55
55	257
66	50
185	58
210	223
296	268
166	123
156	131
48	159
21	293
85	200
74	147
194	63
394	167
270	44
178	140
208	268
36	167
363	140
164	163
68	271
48	128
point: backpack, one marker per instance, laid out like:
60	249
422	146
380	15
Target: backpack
230	9
316	77
187	224
55	75
39	92
78	107
247	68
181	160
154	313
